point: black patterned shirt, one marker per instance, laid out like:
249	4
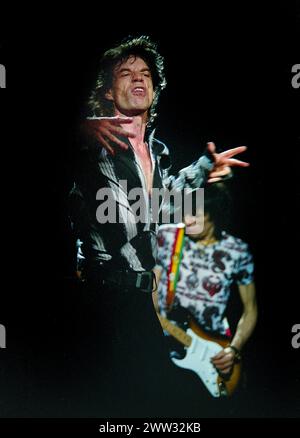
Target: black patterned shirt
127	243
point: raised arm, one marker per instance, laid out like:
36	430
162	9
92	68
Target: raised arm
209	168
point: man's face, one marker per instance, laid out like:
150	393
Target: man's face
132	88
198	226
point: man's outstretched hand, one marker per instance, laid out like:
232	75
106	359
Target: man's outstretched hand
106	128
224	161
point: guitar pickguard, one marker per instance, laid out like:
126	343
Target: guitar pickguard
197	359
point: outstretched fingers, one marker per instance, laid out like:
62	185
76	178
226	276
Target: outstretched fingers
118	120
211	147
233	162
105	144
213	180
115	140
234	151
121	131
218	173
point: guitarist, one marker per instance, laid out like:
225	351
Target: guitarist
211	261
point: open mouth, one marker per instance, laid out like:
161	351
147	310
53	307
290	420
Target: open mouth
138	91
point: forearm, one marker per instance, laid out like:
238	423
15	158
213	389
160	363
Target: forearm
179	188
191	177
245	327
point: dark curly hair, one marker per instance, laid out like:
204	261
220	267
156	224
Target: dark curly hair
141	47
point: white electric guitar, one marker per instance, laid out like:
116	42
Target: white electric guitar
200	348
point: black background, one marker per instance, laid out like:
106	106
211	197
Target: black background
229	80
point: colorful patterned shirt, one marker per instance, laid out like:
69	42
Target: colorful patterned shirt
206	274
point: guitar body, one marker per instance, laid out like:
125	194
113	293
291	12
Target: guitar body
197	359
226	385
200	347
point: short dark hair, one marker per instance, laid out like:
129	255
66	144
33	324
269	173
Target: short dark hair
141	47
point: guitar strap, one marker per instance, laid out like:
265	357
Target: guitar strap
173	271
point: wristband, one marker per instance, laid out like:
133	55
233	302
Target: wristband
237	353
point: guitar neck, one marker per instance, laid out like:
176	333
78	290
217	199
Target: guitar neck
175	331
